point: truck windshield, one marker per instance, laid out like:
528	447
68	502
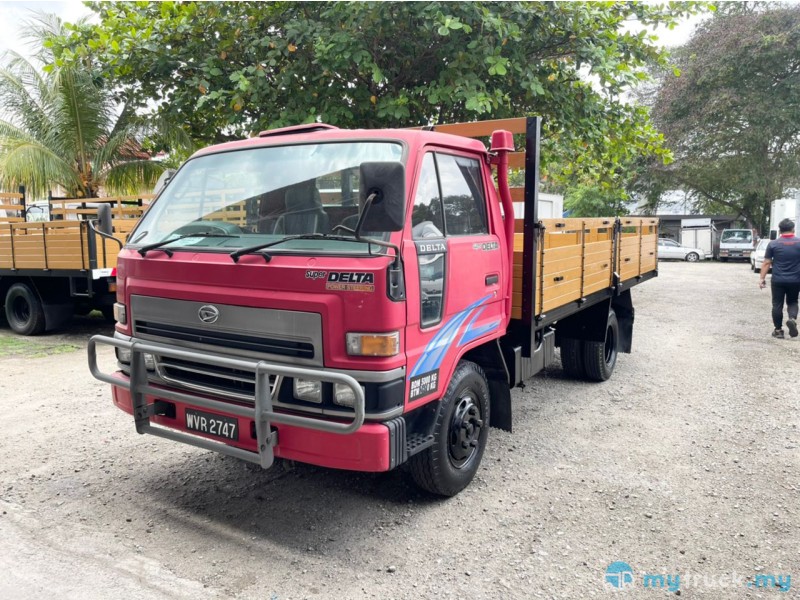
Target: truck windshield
260	195
737	236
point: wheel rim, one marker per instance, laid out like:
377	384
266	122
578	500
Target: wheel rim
692	257
21	309
610	350
466	425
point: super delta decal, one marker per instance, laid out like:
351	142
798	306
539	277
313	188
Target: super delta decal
350	281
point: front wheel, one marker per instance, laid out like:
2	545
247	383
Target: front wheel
460	434
692	257
600	358
24	310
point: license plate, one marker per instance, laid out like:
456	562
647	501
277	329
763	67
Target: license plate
211	424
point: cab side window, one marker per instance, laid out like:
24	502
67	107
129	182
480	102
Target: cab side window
427	216
462	195
427	220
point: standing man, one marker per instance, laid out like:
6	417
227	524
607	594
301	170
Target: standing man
783	255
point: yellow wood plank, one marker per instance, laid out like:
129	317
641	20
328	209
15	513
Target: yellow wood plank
556	253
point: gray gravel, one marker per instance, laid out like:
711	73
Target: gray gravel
685	462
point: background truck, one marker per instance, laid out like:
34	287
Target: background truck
780	209
736	244
698	233
51	269
356	299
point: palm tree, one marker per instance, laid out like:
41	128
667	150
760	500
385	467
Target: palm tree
60	127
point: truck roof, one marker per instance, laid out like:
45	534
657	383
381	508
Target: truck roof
317	132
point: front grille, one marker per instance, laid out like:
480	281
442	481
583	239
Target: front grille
224	380
267	345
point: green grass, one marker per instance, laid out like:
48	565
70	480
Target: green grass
12	345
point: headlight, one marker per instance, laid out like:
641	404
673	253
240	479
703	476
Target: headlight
343	395
373	344
124	356
308	391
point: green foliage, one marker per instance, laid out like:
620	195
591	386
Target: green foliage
11	345
732	118
227	70
60	127
595	201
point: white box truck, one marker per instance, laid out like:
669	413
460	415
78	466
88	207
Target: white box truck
781	209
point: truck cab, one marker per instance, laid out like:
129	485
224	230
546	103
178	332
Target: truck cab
736	244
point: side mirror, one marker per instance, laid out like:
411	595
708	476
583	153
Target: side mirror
104	224
385	184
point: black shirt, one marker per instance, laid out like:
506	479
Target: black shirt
784	253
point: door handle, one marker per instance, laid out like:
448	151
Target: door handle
492	279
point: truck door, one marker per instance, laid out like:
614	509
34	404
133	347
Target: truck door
458	260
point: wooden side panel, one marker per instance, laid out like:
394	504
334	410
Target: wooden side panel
576	258
11	210
58	245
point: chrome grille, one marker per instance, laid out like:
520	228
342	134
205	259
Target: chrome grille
227	340
226	381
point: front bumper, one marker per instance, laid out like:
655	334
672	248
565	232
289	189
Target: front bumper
263	432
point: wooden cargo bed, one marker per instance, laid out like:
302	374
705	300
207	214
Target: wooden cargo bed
67	243
576	258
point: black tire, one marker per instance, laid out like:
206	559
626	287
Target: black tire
108	313
24	310
460	434
692	257
572	358
599	358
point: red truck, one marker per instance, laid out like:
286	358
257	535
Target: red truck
362	299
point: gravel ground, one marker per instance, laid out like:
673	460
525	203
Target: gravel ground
686	462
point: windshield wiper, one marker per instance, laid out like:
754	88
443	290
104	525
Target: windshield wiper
206	234
303	236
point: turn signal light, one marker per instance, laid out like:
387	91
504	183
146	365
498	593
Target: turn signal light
373	344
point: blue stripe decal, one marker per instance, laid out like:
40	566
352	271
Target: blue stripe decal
437	348
472	332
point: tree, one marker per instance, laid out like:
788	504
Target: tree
229	70
61	127
732	117
595	201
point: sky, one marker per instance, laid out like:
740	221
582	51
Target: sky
14	13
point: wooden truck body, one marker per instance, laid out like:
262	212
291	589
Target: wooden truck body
50	269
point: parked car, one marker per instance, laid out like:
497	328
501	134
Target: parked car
670	249
757	256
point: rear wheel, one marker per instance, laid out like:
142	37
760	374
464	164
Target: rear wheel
24	310
572	358
692	257
599	358
460	434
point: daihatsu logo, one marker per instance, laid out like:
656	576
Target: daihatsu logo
208	313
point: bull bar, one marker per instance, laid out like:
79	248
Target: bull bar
262	413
